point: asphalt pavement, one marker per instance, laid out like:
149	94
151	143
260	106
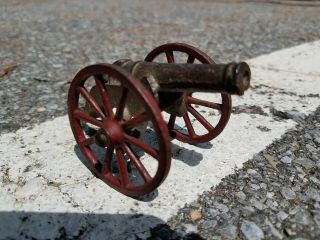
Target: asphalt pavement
274	195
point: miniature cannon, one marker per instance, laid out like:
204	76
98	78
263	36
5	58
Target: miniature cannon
112	106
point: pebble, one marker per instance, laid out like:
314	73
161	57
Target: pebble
67	50
248	210
263	185
143	235
311	148
51	106
26	117
195	204
228	231
41	109
209	224
305	162
294	210
222	208
313	194
251	231
255	187
316	216
302	217
286	160
282	215
212	211
272	160
57	65
296	116
252	172
287	193
271	204
195	215
273	230
270	194
241	195
258	205
289	232
315	180
189	228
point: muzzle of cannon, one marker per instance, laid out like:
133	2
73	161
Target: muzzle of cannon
113	107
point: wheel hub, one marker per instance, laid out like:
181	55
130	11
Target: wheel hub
110	134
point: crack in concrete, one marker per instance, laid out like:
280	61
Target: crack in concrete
287	71
7	180
57	185
253	109
281	91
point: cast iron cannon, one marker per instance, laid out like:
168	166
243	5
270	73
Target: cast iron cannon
115	112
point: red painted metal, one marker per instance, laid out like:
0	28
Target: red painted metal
111	133
224	107
111	129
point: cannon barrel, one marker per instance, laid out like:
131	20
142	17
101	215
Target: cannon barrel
231	78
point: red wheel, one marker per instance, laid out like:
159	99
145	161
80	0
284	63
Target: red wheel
189	133
111	144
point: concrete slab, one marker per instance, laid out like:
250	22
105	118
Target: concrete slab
46	191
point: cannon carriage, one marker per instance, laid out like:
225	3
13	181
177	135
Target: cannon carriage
112	107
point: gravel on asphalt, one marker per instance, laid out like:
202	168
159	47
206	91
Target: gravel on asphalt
274	196
261	200
52	40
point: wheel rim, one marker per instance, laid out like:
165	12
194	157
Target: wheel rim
111	139
224	107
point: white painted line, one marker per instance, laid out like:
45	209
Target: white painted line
302	59
42	176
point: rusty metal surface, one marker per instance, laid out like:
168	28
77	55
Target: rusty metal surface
182	102
231	78
111	132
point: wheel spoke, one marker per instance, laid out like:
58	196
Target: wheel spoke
211	130
86	118
204	103
104	95
170	57
142	117
200	118
122	165
191	59
137	163
92	102
171	122
189	125
135	141
88	141
108	160
93	159
122	103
